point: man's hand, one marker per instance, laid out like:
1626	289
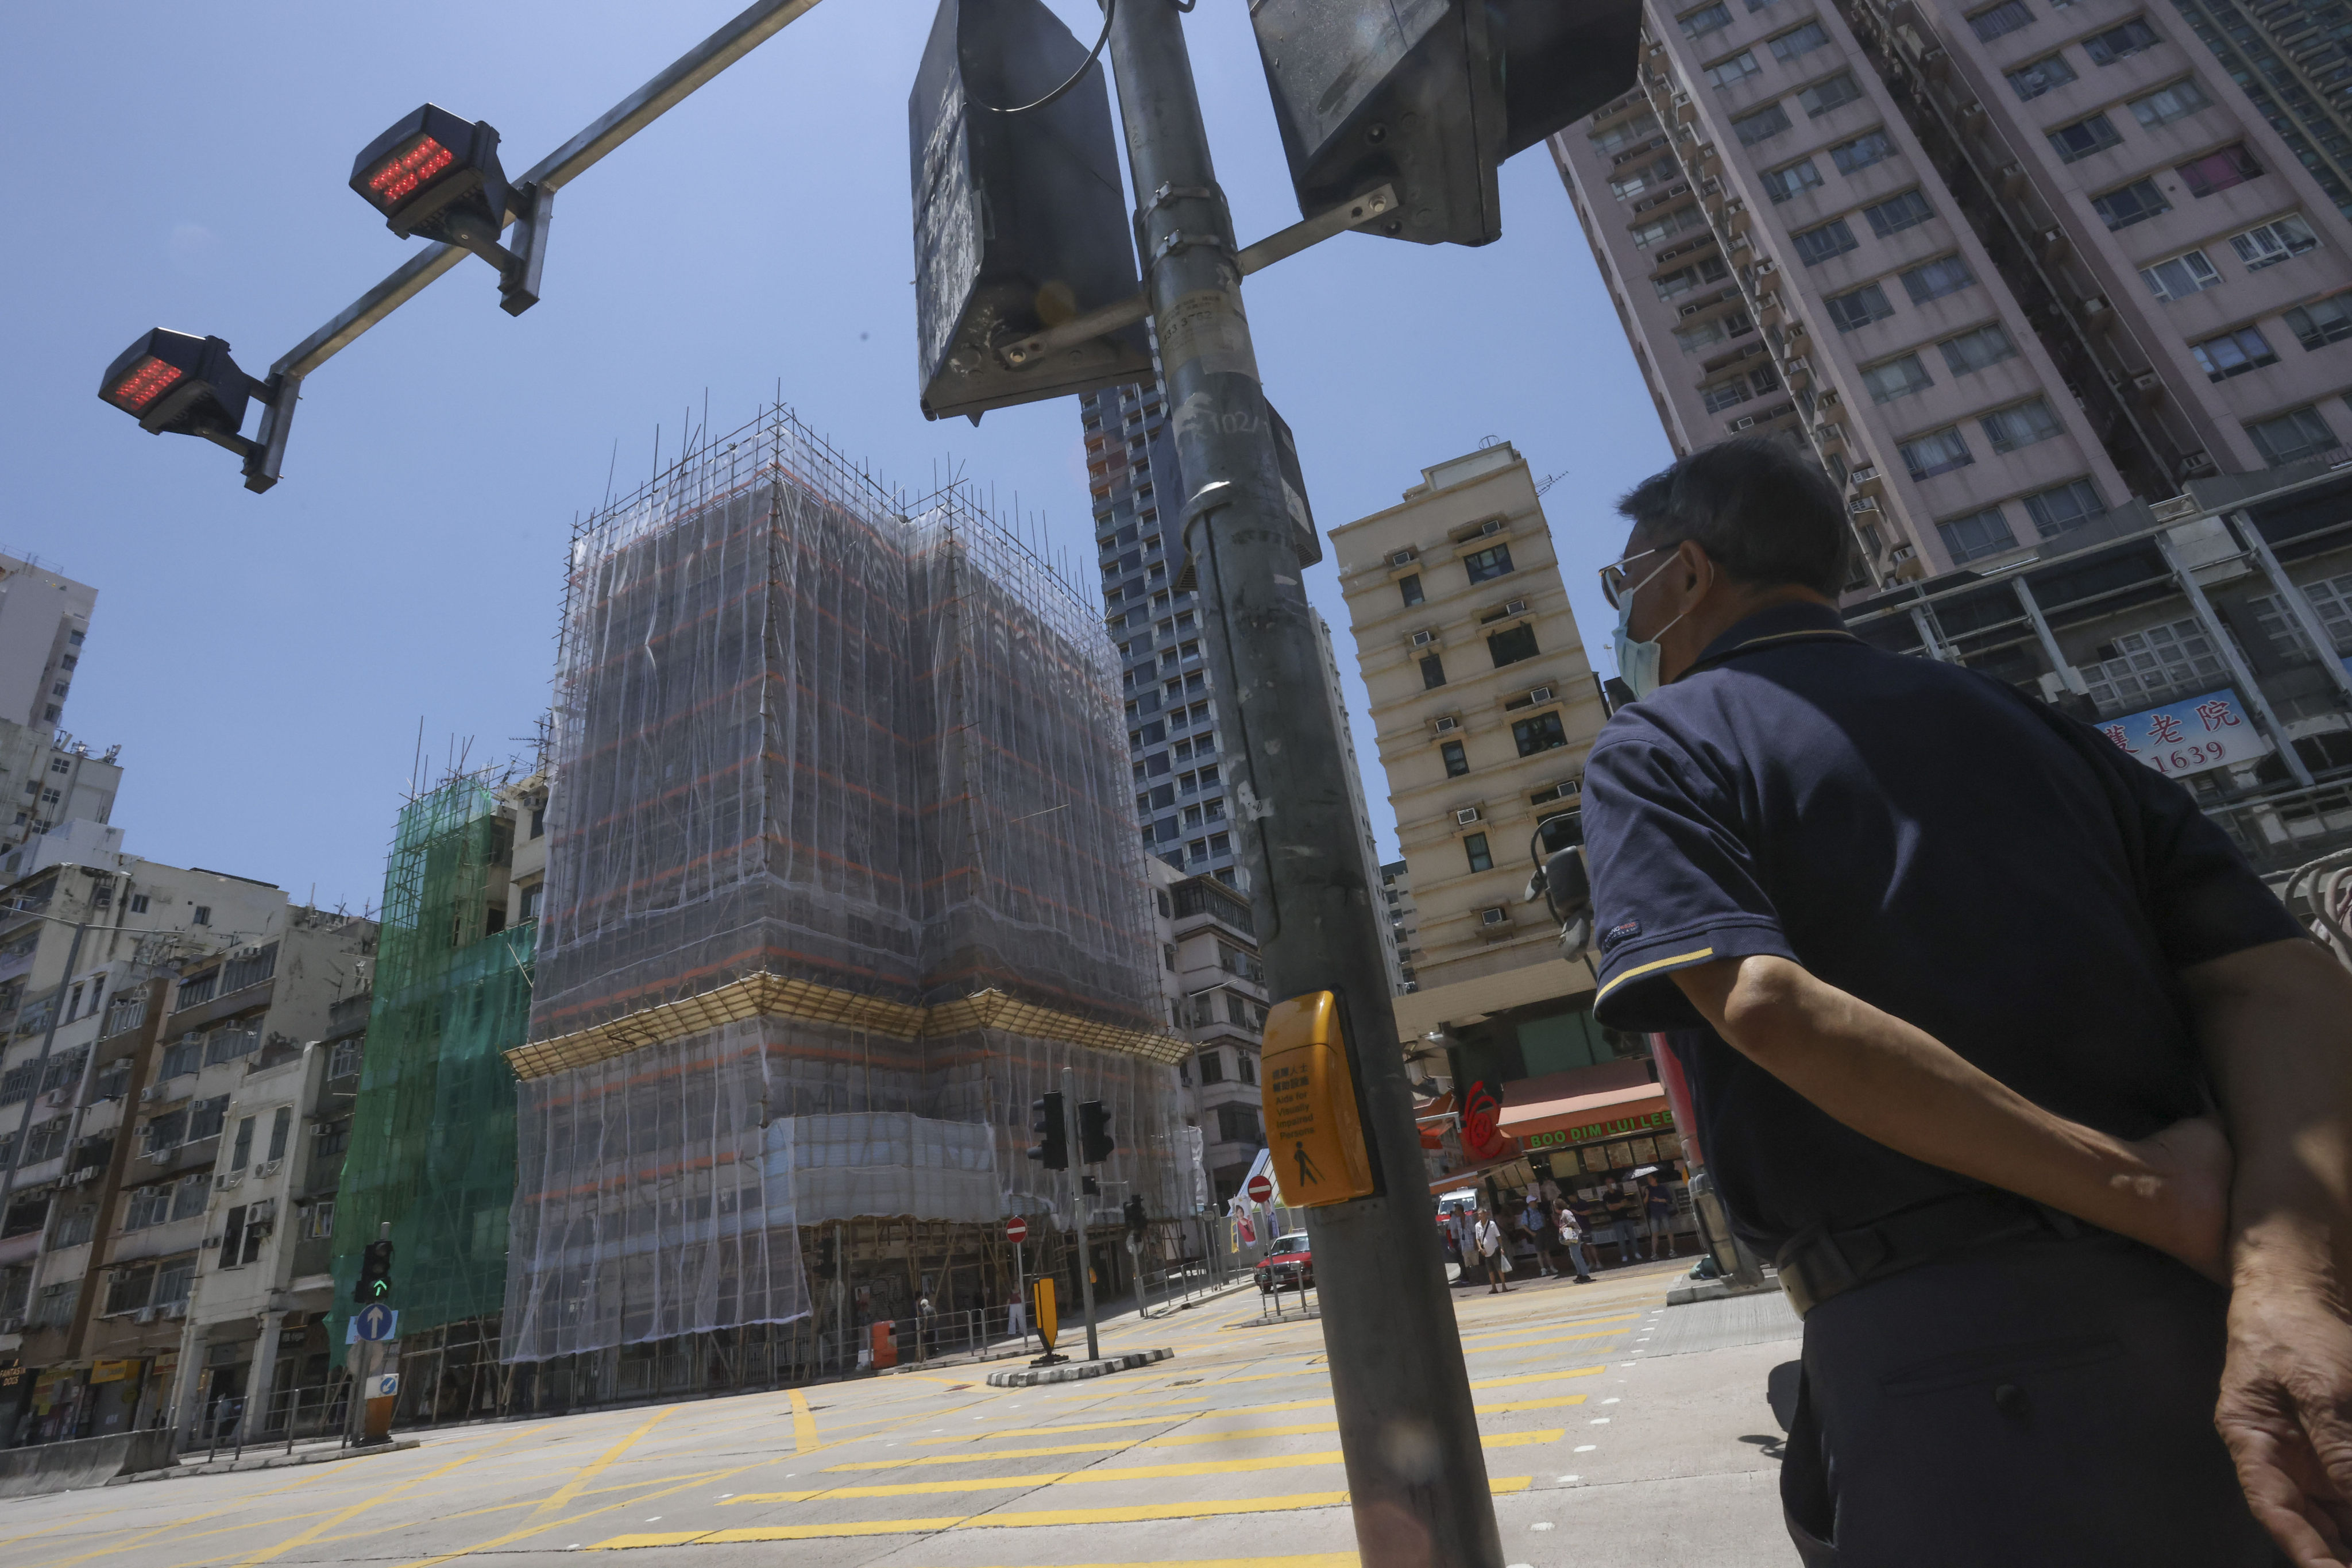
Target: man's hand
2276	1024
2284	1413
2188	1210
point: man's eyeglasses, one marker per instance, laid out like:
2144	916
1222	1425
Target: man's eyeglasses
1615	583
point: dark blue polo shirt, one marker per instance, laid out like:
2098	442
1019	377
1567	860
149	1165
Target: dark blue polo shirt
1929	841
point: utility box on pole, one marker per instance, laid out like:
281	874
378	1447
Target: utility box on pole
1020	221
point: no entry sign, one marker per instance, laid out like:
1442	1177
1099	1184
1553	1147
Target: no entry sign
1017	1231
1260	1190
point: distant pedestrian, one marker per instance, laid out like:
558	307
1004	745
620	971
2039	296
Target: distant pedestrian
1535	1225
1570	1232
1658	1214
1623	1212
1016	1316
1488	1237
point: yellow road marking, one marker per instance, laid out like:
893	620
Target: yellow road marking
1548	1339
1186	1469
1503	1487
142	1535
803	1424
1536	1377
539	1518
1563	1323
1227	1435
1529	1405
374	1500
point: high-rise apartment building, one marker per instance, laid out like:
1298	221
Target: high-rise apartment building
2290	58
44	623
1216	995
2002	269
1185	764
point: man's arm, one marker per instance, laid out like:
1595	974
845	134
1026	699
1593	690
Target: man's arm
2275	1024
1900	1086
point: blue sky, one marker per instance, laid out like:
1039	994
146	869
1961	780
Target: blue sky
265	661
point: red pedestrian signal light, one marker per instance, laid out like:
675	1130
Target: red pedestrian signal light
182	385
437	176
144	386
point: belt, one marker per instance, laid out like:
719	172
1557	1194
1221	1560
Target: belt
1819	1262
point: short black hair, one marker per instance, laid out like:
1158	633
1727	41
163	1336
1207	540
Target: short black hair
1766	513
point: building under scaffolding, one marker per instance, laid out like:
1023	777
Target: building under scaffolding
433	1131
841	877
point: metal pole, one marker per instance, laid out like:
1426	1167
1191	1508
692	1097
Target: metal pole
1416	1475
1078	1204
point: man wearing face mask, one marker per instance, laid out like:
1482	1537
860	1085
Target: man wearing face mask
1959	987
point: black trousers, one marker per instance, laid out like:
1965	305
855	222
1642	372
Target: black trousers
2041	1402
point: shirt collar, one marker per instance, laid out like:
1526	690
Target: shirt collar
1793	622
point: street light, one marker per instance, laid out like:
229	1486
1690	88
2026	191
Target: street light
187	385
434	176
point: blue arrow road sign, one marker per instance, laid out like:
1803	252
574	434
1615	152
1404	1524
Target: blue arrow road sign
375	1321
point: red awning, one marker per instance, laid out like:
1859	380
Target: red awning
1638	1108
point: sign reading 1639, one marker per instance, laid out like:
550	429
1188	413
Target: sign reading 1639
2191	735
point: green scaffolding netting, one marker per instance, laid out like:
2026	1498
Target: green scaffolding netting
433	1133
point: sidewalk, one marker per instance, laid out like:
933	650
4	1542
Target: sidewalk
272	1457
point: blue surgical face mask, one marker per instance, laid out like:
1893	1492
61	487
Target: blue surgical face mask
1637	662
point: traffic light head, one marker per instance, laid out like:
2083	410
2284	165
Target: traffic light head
1430	96
437	175
183	384
375	1273
1095	1143
1138	1221
1052	1149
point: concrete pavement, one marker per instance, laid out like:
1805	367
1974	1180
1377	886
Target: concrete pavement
1616	1428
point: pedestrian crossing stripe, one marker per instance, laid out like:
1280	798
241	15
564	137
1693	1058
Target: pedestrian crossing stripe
1141	1513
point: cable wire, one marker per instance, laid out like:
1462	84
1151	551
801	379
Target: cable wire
1110	9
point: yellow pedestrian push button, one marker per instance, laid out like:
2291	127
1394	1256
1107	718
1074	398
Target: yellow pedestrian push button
1310	1105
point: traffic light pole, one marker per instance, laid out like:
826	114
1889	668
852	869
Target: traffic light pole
1416	1475
1079	1205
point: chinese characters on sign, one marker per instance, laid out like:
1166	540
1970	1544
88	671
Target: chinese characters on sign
2191	735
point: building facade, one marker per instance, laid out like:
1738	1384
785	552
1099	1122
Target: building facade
138	998
1999	270
1403	923
1216	997
44	624
2289	58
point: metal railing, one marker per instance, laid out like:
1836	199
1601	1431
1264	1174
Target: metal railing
288	1416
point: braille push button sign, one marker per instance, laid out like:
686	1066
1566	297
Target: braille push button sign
1310	1105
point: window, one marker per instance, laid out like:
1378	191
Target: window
1432	671
1683	279
1457	761
1512	645
2322	322
345	1060
204	915
1798	42
1540	733
1936	452
1700	23
184	1054
189	1197
1724	395
1474	846
1680	221
1735	70
1248	1064
334	1137
1815	245
1794	180
529	908
1823	96
2069	505
127	1291
1617	138
2187	273
2082	138
241	1153
2219	170
1212	1066
148	1205
2233	353
1858	308
1870	147
2267	244
1485	565
2030	81
1934	279
1989	344
1409	589
1898	213
2135	203
138	903
1724	328
2291	436
2021	426
205	1117
2001	20
318	1221
173	1280
1762	126
1237	1124
1896	378
2120	42
2167	104
1979	534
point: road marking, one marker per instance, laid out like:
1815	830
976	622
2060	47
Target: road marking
1231	1435
1536	1377
803	1424
1183	1470
1529	1405
1503	1487
1561	1324
1546	1339
374	1499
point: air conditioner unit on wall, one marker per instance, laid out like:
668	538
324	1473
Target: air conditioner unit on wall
1495	916
1445	725
1539	694
1492	525
144	1315
1423	638
1401	558
1516	607
1465	816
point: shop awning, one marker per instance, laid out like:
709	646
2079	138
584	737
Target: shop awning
1581	1118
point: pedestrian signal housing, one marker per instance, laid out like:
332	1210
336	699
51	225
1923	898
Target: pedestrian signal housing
375	1274
1430	96
1021	224
1095	1141
1052	1149
187	385
435	176
1314	1129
